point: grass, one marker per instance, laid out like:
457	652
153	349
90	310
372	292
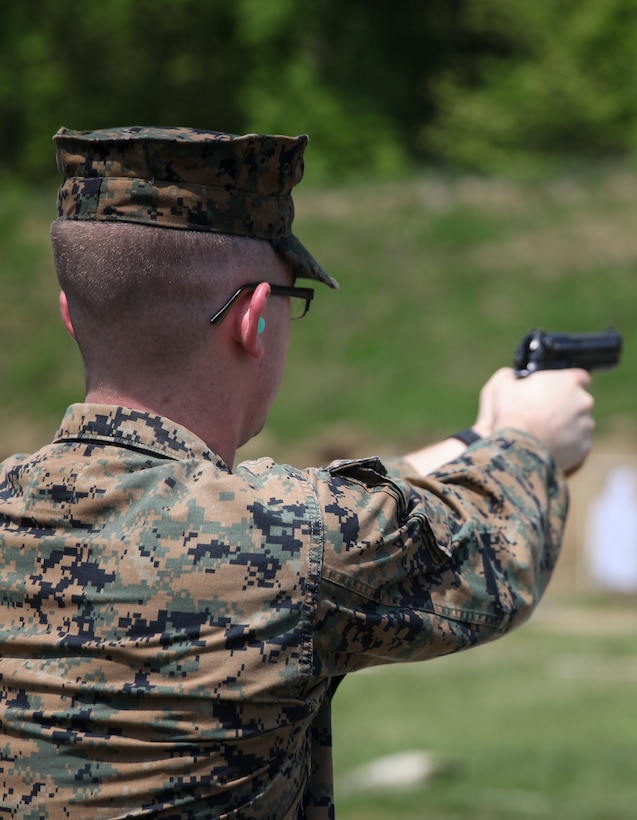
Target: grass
40	368
540	724
440	279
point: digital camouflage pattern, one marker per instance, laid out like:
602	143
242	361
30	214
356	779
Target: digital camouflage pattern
189	179
171	631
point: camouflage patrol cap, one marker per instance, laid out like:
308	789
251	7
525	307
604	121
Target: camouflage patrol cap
189	179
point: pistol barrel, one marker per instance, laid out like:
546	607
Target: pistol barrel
555	351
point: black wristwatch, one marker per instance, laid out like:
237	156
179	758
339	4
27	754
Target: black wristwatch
467	436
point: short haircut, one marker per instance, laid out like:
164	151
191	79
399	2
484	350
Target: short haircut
151	290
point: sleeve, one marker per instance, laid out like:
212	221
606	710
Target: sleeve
417	567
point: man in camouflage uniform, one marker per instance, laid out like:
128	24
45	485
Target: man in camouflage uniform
173	627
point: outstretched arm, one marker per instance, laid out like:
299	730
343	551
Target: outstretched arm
552	405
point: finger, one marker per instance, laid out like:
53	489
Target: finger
582	377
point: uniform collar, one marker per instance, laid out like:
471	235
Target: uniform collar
134	429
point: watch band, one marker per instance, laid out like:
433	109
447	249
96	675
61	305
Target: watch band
467	436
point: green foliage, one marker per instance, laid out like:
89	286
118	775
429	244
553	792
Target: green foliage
473	83
115	62
246	66
558	83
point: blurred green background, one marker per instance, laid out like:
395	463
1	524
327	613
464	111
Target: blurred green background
471	174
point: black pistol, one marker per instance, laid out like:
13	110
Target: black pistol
539	350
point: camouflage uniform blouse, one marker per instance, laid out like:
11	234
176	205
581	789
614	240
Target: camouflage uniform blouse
171	631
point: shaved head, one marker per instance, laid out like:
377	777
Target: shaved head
142	296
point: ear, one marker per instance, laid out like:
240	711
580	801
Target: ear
246	321
65	313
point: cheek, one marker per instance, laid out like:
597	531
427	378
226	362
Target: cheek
272	364
277	370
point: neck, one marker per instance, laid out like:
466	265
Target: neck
207	420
